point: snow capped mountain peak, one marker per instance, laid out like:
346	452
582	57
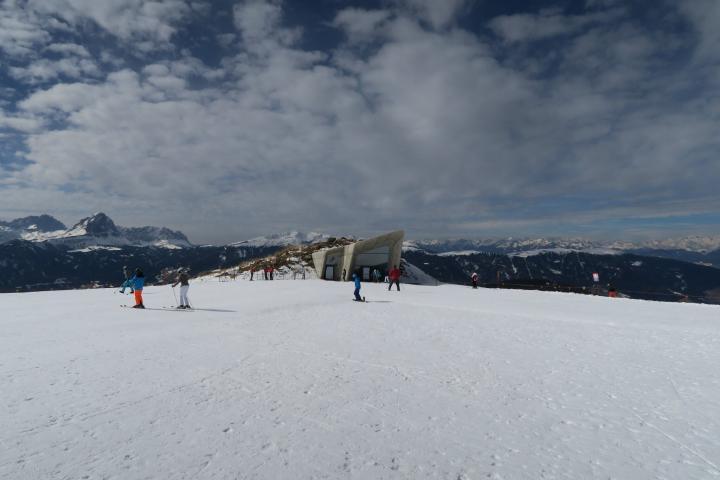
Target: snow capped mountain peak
284	239
694	243
41	223
93	231
28	227
97	225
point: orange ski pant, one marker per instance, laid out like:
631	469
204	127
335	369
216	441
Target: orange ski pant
138	297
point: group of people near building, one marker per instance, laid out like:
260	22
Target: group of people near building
393	277
268	272
136	282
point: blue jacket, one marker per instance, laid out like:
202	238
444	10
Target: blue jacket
357	280
137	282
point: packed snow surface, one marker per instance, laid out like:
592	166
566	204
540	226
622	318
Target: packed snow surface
292	380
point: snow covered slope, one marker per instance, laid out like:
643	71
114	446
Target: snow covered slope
290	379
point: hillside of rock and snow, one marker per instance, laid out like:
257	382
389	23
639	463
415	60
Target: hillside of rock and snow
294	380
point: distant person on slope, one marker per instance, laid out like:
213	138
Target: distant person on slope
138	282
474	279
394	278
126	283
356	279
184	281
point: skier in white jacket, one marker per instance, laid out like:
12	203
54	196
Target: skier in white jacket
184	281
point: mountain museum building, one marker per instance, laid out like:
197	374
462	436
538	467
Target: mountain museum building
368	257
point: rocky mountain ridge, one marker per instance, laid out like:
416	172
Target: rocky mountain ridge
93	231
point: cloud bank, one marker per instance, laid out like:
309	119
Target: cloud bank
542	121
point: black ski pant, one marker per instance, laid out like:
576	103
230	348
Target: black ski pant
396	282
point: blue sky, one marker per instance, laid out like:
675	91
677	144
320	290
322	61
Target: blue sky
228	119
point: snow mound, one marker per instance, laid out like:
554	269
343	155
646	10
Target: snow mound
415	276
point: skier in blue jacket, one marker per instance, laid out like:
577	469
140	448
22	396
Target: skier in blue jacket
356	279
138	282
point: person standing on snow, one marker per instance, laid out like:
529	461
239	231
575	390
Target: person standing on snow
474	278
394	278
184	281
252	272
138	282
356	279
126	283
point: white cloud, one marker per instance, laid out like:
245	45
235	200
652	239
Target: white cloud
69	49
42	70
705	15
19	30
430	128
257	19
548	23
226	39
26	25
25	123
359	24
127	19
439	13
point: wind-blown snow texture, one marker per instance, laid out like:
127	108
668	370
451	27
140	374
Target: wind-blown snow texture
290	379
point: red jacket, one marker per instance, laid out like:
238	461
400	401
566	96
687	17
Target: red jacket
394	274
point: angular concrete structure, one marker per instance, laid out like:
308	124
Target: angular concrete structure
379	253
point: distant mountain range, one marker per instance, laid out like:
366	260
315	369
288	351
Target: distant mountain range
700	250
39	253
283	239
698	244
637	276
30	266
93	231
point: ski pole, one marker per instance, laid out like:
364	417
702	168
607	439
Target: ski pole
175	296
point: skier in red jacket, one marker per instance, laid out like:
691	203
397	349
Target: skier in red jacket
394	276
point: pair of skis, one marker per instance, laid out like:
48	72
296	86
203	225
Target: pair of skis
166	309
